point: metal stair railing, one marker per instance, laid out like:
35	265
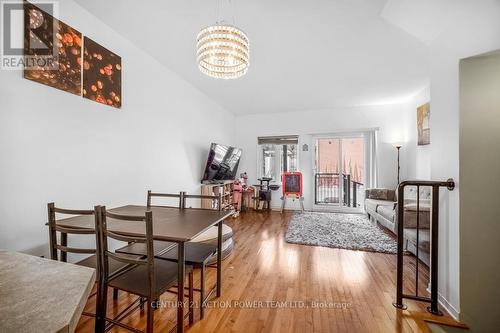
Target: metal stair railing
434	239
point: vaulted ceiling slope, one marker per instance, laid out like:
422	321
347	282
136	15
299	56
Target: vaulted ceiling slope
304	54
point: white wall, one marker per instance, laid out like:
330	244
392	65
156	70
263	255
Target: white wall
392	121
55	146
476	29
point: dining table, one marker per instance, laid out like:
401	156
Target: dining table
179	225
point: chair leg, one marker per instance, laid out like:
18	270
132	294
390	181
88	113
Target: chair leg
202	292
149	325
141	303
190	299
115	294
101	304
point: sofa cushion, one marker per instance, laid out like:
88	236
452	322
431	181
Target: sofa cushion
423	238
424	206
410	219
380	194
387	212
371	205
411	193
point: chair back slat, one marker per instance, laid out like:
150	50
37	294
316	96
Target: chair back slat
73	211
75	250
152	195
124	217
164	195
63	247
217	198
126	258
183	197
76	231
124	238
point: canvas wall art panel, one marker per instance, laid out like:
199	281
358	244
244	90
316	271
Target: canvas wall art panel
52	51
102	74
423	124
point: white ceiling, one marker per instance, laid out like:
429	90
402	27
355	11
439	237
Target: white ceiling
304	54
424	19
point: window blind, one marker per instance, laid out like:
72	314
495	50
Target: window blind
278	140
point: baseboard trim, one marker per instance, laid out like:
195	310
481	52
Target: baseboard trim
452	311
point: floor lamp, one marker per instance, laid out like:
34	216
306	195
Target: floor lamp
398	147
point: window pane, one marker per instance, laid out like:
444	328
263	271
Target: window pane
328	156
292	163
268	160
354	158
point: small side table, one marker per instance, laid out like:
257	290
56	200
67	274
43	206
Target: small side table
41	295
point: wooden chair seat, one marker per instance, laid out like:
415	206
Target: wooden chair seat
196	253
136	280
114	265
141	249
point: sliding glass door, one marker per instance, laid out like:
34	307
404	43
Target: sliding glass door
340	169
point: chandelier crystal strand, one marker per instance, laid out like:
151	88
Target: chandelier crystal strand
223	51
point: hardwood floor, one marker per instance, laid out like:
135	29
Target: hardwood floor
353	290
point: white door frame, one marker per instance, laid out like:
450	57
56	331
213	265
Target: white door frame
339	135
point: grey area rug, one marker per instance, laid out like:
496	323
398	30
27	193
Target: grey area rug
338	230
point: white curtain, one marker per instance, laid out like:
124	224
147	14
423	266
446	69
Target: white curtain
372	174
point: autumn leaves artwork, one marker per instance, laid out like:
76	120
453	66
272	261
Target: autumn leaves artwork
101	74
55	50
78	64
423	128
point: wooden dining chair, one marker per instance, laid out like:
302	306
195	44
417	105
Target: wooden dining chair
146	276
159	247
59	251
197	254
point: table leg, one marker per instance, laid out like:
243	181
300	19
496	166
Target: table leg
180	287
219	260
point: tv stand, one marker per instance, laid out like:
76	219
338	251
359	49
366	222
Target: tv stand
224	188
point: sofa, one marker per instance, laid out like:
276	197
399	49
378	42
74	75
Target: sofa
381	207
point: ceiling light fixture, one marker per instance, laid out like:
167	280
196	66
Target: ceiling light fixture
223	50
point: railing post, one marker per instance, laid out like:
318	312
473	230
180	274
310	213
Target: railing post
348	190
354	195
434	252
399	284
316	188
344	187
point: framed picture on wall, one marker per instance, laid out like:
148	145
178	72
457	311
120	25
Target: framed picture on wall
102	74
52	51
423	124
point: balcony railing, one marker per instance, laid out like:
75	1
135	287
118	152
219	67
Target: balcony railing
328	190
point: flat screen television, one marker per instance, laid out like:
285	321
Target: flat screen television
222	163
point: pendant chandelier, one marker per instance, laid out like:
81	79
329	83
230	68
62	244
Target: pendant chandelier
223	51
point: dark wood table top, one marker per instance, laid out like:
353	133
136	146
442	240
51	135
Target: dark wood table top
169	224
